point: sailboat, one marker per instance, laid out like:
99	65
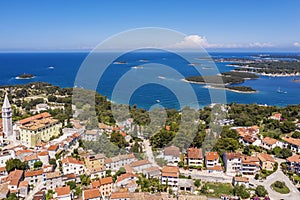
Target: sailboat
281	91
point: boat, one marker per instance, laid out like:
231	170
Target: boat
281	91
157	100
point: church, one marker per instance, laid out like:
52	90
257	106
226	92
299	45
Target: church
6	130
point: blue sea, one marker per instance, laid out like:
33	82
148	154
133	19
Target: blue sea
61	69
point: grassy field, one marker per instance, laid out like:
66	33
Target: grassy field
282	189
219	189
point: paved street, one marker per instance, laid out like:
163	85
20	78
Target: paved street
205	176
278	175
37	187
149	153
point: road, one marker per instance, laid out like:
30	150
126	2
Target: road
149	153
278	176
37	187
205	176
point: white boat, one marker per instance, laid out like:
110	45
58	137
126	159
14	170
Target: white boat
281	91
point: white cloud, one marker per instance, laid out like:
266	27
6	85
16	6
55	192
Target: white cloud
296	44
196	41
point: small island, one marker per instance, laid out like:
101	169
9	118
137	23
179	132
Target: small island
25	76
225	78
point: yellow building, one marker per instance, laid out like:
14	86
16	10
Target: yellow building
267	162
95	162
38	128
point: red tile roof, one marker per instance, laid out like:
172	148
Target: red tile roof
119	195
35	117
295	158
91	193
269	141
195	153
211	155
172	171
62	191
34	173
172	151
72	160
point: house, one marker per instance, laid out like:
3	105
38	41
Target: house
63	193
35	176
105	186
120	196
91	135
31	159
232	162
139	165
115	163
43	157
151	172
40	195
91	194
97	173
215	169
270	143
172	155
5	155
211	159
42	127
250	165
170	175
248	135
96	161
52	150
276	116
267	162
293	142
13	179
4	191
239	180
194	157
54	180
128	181
186	185
23	189
72	165
293	163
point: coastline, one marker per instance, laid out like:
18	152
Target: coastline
20	78
271	75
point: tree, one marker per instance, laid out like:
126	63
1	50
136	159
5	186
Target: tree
247	151
261	191
12	196
296	135
52	161
241	191
13	164
285	153
85	179
38	164
72	184
197	183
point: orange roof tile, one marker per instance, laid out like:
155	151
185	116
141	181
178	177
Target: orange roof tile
119	195
35	117
295	158
31	157
91	193
62	191
53	147
292	141
241	179
106	180
125	176
139	163
95	184
265	157
195	153
233	155
14	177
211	155
72	160
269	141
172	151
215	168
23	184
170	171
34	173
43	153
123	134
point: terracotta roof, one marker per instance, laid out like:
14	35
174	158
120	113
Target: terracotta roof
91	193
295	158
62	191
172	171
241	179
72	160
26	151
233	155
102	126
139	163
151	169
168	128
23	184
269	141
31	157
34	173
53	147
125	176
211	155
248	138
95	184
53	175
119	195
292	140
172	151
43	153
250	160
215	168
265	157
14	177
35	117
195	153
123	134
106	180
2	169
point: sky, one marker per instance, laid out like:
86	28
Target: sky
225	25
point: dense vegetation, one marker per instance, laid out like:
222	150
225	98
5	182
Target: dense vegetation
240	88
270	67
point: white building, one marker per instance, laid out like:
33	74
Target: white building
232	162
139	165
6	155
270	143
63	193
170	175
172	155
7	118
72	166
115	163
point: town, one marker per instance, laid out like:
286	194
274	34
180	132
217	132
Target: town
47	153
